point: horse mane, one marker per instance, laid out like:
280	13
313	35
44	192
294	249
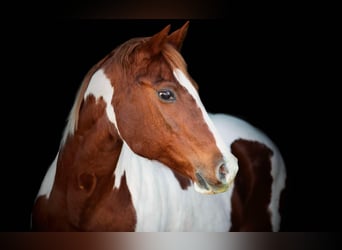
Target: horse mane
121	54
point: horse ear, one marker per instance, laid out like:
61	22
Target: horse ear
156	42
177	37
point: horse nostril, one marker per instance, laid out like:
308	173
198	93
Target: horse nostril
222	172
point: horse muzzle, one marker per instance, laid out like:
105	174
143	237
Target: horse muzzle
223	181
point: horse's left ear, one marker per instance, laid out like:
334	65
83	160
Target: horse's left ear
177	37
157	41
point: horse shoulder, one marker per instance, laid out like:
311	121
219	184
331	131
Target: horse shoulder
261	177
42	208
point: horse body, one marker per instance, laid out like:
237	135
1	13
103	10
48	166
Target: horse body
261	181
140	153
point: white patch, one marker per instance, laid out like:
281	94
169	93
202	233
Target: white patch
162	205
232	128
100	86
229	158
46	186
278	173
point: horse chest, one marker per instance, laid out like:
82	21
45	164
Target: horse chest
162	205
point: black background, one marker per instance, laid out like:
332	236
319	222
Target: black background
265	65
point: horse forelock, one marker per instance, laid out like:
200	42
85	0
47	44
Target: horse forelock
127	54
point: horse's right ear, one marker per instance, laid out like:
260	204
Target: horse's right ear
177	37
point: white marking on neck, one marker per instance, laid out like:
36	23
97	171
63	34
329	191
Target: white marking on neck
278	172
100	86
46	186
230	159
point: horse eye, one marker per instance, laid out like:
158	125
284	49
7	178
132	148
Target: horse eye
166	95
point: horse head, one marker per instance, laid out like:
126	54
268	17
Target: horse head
158	113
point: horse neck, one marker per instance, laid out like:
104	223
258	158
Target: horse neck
90	154
86	163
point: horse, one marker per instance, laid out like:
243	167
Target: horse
140	153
